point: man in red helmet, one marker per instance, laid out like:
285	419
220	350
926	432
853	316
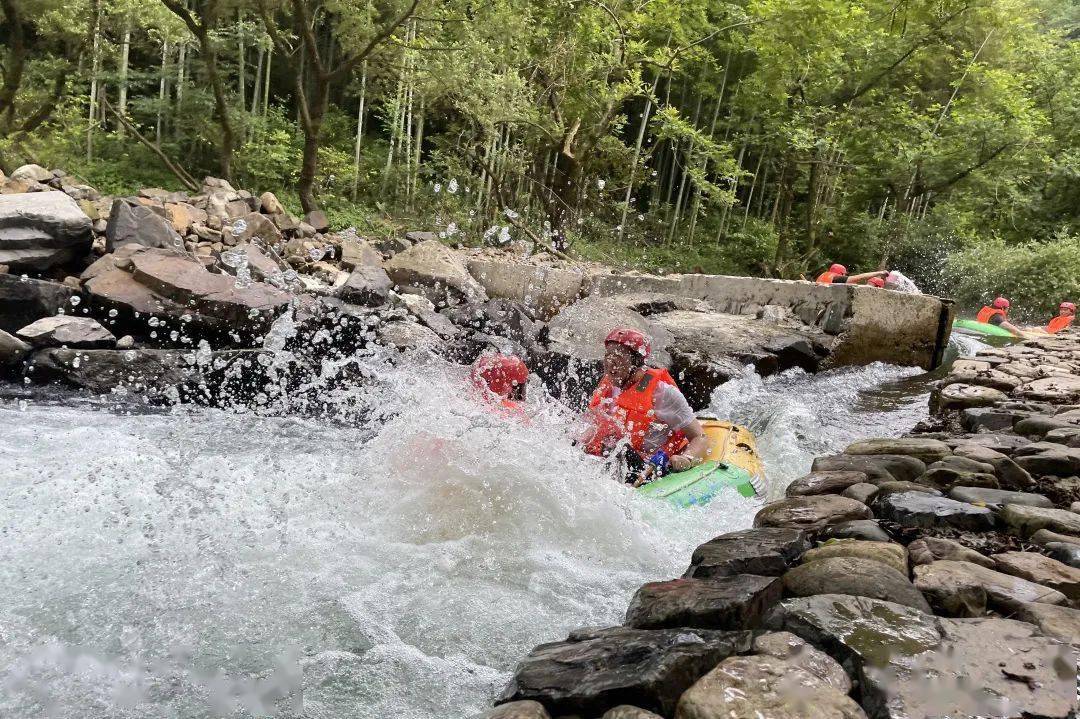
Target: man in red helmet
501	381
876	282
837	275
1065	317
642	406
997	314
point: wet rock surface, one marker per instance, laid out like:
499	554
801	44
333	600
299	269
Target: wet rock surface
41	230
733	602
762	552
918	509
811	513
856	576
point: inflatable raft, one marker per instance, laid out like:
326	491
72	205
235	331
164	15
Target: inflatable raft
732	461
971	327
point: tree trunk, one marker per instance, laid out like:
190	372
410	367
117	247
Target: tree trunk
162	91
125	54
359	131
95	69
257	85
241	60
266	83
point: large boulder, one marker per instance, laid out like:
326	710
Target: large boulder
24	300
41	230
367	285
1027	520
139	224
824	483
931	549
596	670
792	649
763	551
735	602
877	467
438	273
959	396
811	513
927	450
910	664
888	553
919	509
853	575
1052	620
143	371
966	589
764	686
12	349
67	331
1041	570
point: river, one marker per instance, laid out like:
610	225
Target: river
192	562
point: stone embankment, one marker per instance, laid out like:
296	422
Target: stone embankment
170	295
932	575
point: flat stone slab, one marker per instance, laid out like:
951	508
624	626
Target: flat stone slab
911	664
735	602
856	576
953	588
824	483
861	492
1064	552
39	230
24	300
890	554
884	467
960	396
997	498
519	710
767	551
793	649
927	450
917	509
594	670
866	529
1054	621
931	549
1045	536
811	513
764	686
1028	520
1056	460
1041	570
65	330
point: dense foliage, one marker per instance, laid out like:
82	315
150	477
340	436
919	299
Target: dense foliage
760	136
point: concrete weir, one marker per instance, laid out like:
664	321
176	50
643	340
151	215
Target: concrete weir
866	324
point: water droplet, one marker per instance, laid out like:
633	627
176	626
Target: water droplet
24	278
185	317
239	227
75	300
316	253
153	334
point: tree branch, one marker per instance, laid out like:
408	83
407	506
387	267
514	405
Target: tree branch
353	60
187	180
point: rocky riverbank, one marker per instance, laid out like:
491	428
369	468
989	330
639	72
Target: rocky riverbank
937	574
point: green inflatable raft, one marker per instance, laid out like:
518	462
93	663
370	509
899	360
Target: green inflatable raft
971	327
732	461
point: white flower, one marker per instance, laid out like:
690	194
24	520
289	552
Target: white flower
451	187
437	188
451	229
600	184
511	214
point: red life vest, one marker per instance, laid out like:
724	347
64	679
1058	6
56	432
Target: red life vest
826	278
629	415
1059	323
987	312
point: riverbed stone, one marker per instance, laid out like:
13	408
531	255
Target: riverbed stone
767	551
24	300
42	230
625	711
1059	462
1070	436
811	513
894	487
927	450
1052	620
67	331
735	602
149	372
1037	426
1002	442
965	589
866	529
997	498
860	492
962	464
1060	390
1010	475
883	467
597	669
12	349
527	709
795	650
930	549
764	686
960	396
1064	552
1027	520
853	575
824	483
1041	570
1045	536
918	509
944	478
974	663
367	285
888	553
437	271
134	223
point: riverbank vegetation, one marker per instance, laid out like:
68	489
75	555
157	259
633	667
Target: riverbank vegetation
767	137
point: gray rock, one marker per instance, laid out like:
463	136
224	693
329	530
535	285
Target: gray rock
125	343
980	667
1027	520
867	529
357	252
270	204
1037	426
31	173
12	349
1059	462
927	450
138	224
1009	473
1001	442
792	649
1041	570
41	230
895	487
890	554
317	219
856	576
996	498
764	686
438	271
406	335
811	513
596	670
881	467
1054	621
917	509
625	711
962	464
824	483
1045	537
986	418
254	227
734	602
945	478
959	396
367	285
931	549
861	492
1064	552
1069	437
67	331
24	300
518	710
965	589
764	552
1060	390
141	372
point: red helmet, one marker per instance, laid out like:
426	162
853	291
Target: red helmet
631	338
838	269
1000	303
1067	306
876	282
499	373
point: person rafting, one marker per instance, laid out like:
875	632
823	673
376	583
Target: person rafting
500	380
997	314
1066	315
641	411
837	274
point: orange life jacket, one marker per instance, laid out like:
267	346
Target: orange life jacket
629	415
1059	323
826	278
987	312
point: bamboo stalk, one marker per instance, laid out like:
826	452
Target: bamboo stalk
359	130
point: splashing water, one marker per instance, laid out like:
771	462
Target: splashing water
202	563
